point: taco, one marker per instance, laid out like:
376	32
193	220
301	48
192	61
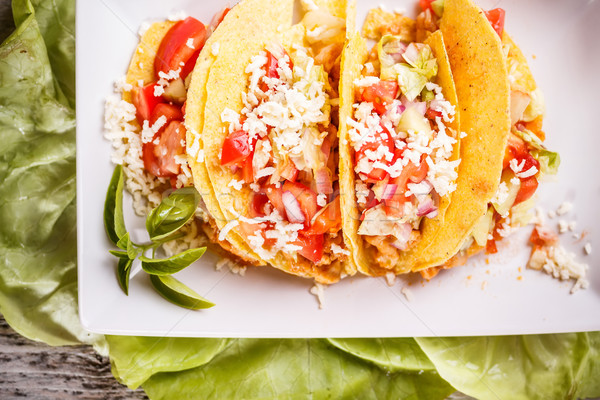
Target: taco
399	143
262	134
154	156
524	159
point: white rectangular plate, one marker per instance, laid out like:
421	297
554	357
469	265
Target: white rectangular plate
492	295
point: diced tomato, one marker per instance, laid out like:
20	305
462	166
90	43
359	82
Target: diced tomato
329	220
306	198
290	172
218	18
311	247
527	189
535	126
411	173
490	247
274	195
381	94
159	159
169	111
432	114
174	49
271	67
144	101
541	237
515	148
189	66
381	138
419	173
258	205
530	161
496	18
425	4
248	170
235	148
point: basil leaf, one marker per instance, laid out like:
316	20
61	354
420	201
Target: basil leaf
119	253
132	250
171	265
178	293
123	271
172	213
124	242
114	222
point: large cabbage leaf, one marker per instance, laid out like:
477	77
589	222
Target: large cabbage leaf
293	369
530	367
38	285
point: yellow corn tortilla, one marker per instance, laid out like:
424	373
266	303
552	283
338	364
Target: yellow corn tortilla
483	90
141	67
367	258
217	83
232	35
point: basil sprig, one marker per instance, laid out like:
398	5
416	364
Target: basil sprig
174	212
162	225
176	292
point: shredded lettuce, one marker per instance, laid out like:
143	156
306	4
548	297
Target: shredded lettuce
413	65
549	161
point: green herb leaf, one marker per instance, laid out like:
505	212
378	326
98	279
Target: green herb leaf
132	249
113	207
172	213
119	253
123	271
178	293
124	242
171	265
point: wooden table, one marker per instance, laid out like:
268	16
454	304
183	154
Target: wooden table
34	370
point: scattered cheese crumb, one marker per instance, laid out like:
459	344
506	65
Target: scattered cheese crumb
237	185
178	16
318	290
190	43
560	264
407	293
338	250
564	208
563	226
390	278
588	248
322	200
229	226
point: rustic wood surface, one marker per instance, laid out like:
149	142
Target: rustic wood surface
34	370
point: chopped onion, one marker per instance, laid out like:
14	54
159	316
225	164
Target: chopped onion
426	207
402	234
518	104
292	208
323	180
420	106
411	54
389	191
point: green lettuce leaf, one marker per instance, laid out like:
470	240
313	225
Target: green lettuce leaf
565	366
393	354
38	285
293	369
135	359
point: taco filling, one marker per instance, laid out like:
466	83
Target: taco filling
284	147
526	160
403	146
